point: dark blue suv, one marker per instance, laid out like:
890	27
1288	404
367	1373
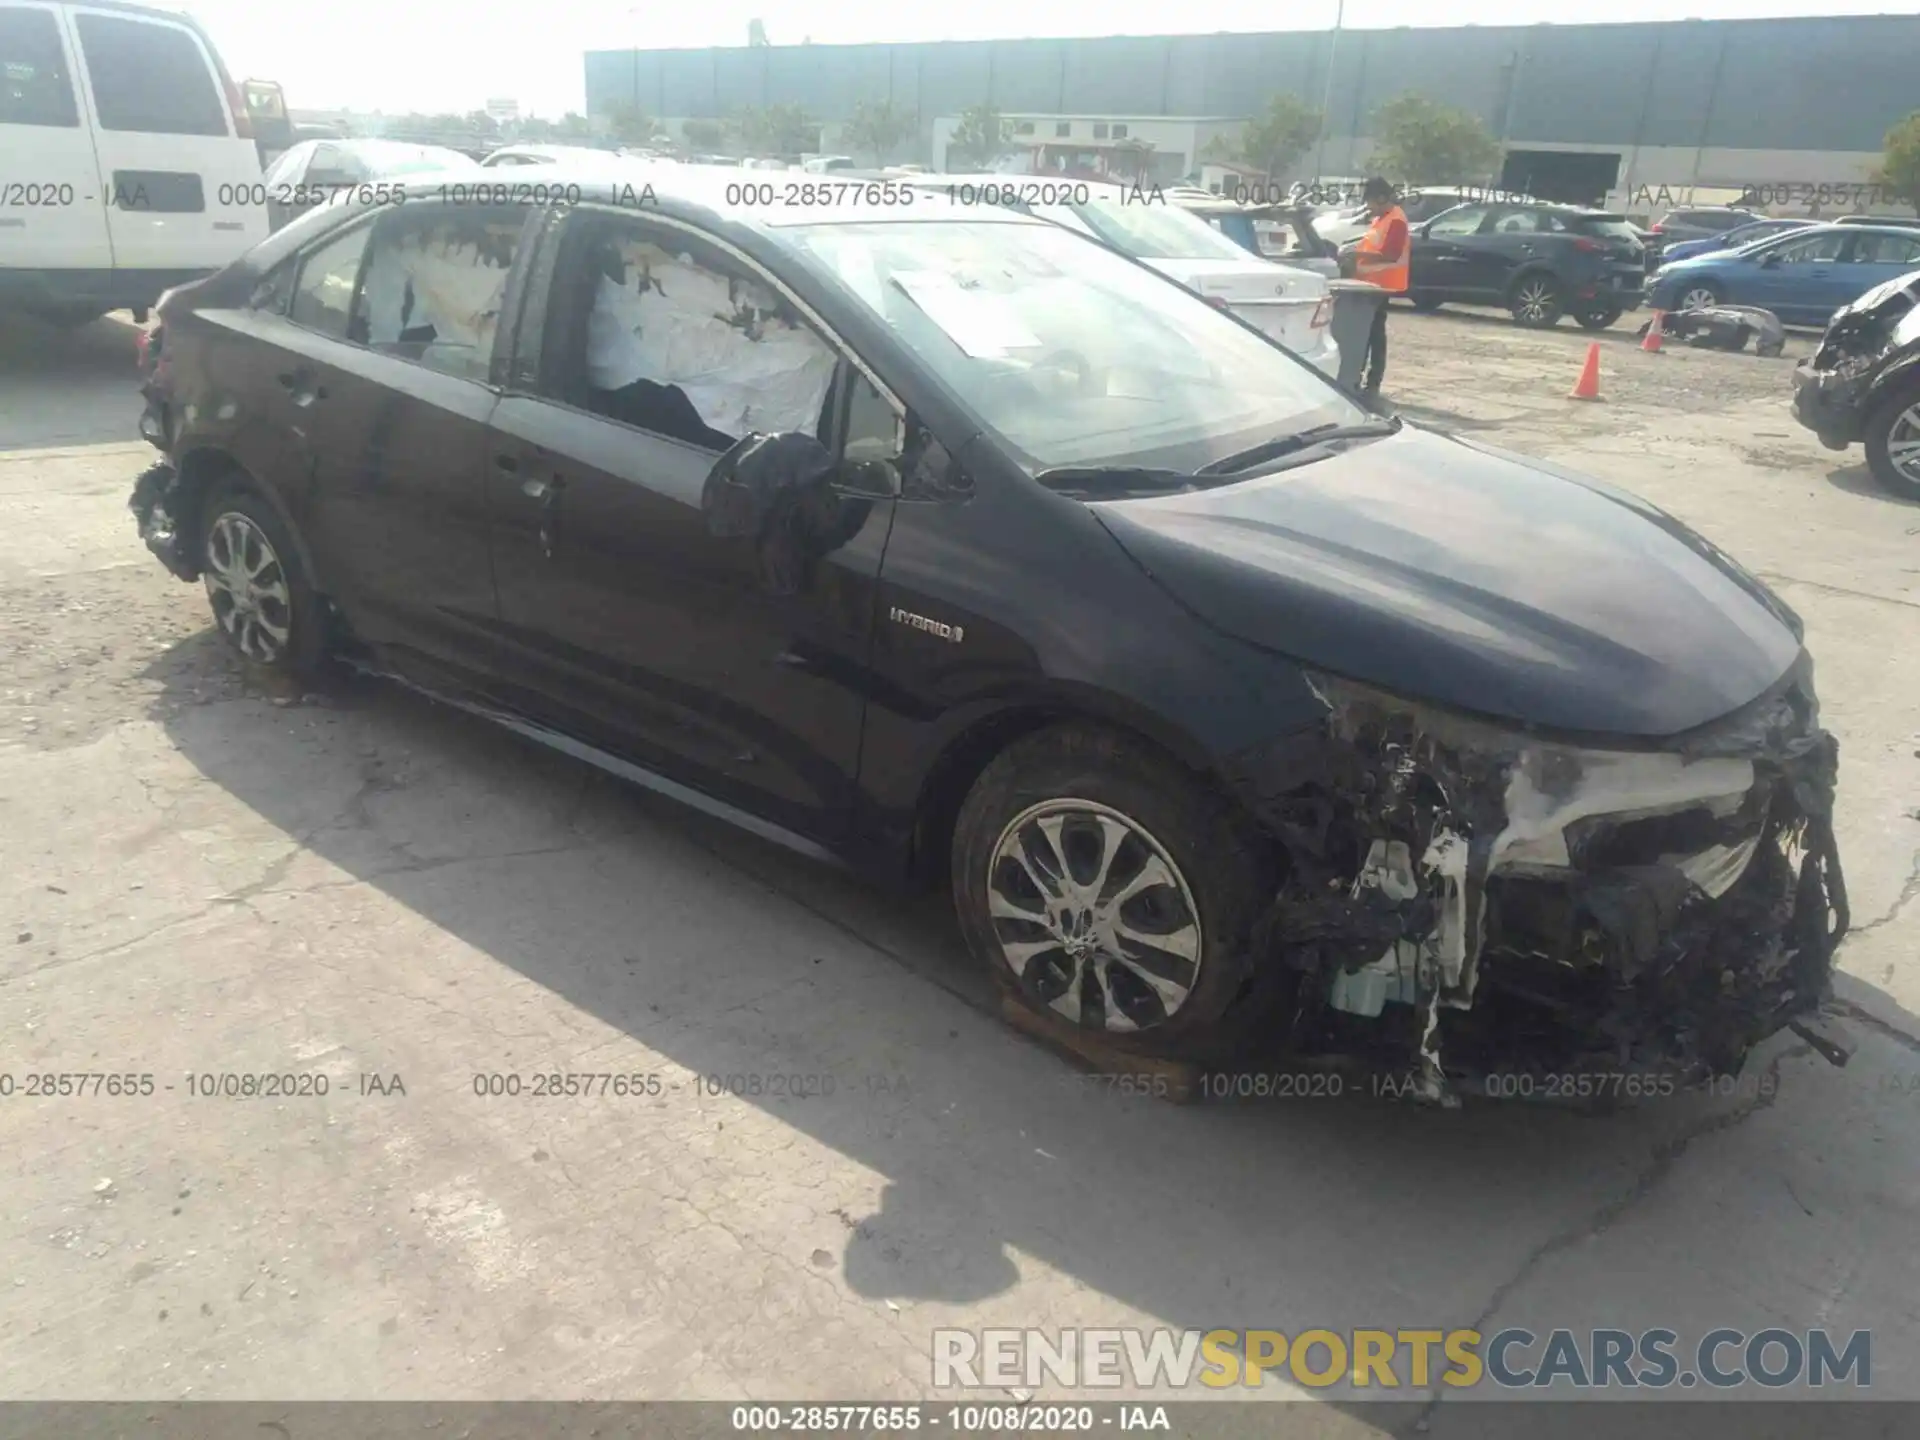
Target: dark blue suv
1538	260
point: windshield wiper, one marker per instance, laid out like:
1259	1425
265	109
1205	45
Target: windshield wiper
1286	444
1111	479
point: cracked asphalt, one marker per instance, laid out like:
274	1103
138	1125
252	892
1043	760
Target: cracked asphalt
368	889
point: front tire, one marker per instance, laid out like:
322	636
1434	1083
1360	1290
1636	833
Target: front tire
1536	302
1700	295
1109	891
1425	301
1597	319
1892	436
262	599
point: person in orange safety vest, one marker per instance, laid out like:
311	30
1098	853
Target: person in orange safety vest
1381	259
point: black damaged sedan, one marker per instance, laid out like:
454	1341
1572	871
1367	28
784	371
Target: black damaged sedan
951	545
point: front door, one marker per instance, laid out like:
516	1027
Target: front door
1440	258
734	664
1795	278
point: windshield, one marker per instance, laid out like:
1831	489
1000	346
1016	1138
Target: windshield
1156	232
1074	356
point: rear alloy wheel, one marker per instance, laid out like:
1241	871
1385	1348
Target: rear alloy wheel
1597	319
262	601
1699	296
1536	302
1108	891
1892	435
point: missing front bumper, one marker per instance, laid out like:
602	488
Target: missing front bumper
1470	902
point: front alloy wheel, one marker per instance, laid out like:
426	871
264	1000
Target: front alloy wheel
1893	444
247	587
1093	916
1110	891
1700	297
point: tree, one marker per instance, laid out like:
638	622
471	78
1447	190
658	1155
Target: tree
704	135
980	138
1221	148
1280	135
784	129
757	32
880	128
573	127
1133	157
632	126
1418	141
1899	169
792	130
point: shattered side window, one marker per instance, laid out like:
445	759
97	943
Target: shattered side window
323	295
692	347
434	287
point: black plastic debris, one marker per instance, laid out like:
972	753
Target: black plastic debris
1724	327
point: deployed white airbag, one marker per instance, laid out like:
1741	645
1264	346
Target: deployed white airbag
743	367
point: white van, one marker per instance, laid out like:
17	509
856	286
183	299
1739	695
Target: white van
127	160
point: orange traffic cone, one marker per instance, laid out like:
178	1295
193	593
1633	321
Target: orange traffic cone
1587	387
1652	343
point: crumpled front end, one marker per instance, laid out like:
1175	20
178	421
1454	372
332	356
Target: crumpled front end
1466	901
1832	387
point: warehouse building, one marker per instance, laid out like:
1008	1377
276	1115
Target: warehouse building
1579	109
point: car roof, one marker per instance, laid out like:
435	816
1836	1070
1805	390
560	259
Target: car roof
378	145
556	152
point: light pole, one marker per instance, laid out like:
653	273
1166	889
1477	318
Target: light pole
1326	95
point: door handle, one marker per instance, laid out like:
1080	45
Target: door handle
299	384
548	493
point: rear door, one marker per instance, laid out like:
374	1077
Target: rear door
1515	238
398	417
52	212
1875	257
182	178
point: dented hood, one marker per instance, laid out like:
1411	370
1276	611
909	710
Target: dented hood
1449	571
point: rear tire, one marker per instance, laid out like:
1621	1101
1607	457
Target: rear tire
1536	301
1426	303
1597	319
1892	436
1109	891
262	599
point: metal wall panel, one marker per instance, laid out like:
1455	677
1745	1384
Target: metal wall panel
1030	76
1801	84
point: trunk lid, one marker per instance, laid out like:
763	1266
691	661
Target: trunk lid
1280	300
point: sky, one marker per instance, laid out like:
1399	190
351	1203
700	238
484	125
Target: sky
453	55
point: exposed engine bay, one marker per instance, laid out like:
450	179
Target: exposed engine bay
1470	900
